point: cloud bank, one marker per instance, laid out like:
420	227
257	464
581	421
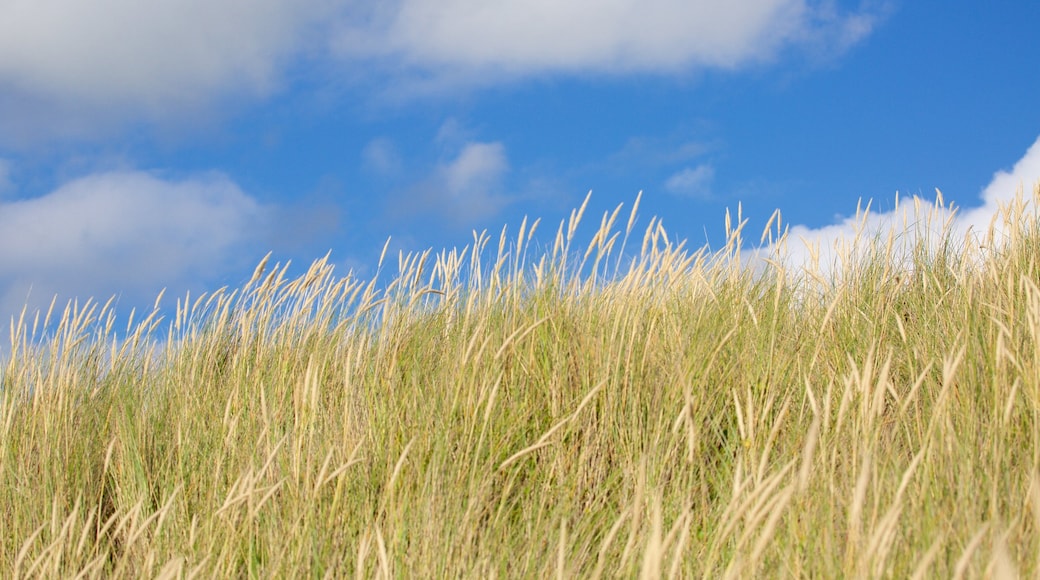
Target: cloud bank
820	249
67	66
620	36
127	233
158	52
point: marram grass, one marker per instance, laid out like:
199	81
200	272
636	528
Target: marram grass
571	412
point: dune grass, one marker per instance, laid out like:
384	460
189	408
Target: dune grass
512	411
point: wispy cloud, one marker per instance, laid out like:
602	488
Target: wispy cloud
380	156
656	151
462	190
694	182
478	168
127	233
832	32
471	183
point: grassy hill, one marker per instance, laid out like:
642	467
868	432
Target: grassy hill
507	411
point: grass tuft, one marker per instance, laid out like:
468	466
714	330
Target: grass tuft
579	412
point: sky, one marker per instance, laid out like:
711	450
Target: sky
173	143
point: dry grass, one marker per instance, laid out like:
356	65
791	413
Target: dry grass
554	414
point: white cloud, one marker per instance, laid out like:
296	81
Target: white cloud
109	56
74	68
1001	190
617	36
819	249
128	233
692	181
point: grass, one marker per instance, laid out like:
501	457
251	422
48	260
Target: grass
559	412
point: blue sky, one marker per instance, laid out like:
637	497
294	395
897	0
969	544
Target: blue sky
173	143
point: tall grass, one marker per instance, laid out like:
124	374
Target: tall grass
502	411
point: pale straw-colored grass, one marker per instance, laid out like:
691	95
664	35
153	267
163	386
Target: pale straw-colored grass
503	411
